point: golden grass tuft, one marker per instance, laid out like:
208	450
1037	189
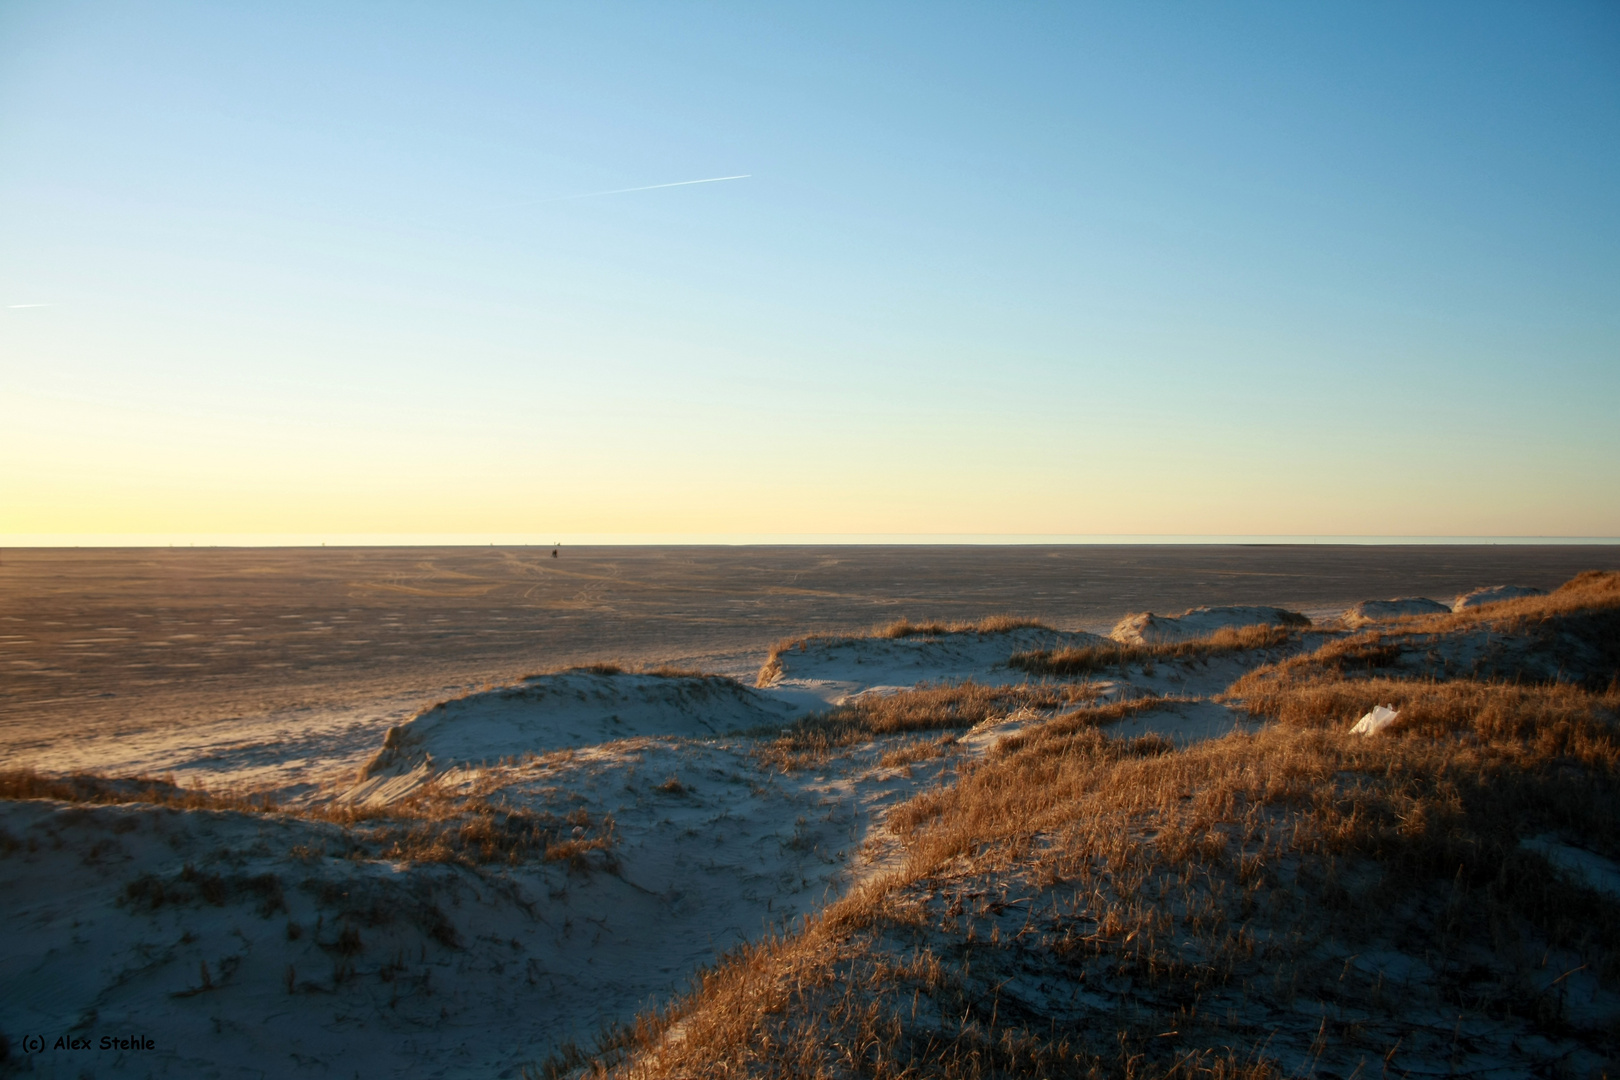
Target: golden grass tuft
670	671
1091	659
427	826
1589	591
903	627
990	624
1355	671
1568	718
1591	586
473	831
914	751
771	669
108	791
927	708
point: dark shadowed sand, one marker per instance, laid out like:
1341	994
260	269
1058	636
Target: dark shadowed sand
103	643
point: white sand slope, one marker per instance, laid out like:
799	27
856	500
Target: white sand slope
571	709
113	914
1493	594
296	752
1150	629
1374	611
833	668
1181	722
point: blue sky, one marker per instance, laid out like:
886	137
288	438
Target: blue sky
1046	269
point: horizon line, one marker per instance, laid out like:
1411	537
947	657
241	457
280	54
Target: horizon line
739	539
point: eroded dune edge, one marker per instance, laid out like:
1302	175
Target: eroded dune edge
940	849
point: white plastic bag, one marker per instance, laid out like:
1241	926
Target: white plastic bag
1380	718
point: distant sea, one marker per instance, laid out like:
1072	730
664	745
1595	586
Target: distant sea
734	539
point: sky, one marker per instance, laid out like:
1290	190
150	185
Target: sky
1057	269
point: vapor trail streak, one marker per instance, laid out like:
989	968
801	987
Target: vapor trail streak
650	187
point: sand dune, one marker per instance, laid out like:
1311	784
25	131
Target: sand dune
578	708
832	668
1374	611
245	938
1494	594
1150	629
462	892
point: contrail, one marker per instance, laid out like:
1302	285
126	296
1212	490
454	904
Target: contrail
649	187
14	307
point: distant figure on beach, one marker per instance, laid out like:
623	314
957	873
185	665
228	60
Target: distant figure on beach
553	553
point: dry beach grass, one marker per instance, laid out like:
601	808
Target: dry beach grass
1029	867
1296	901
1093	659
899	628
431	825
927	708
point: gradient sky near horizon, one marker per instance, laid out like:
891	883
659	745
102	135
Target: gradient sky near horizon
1061	269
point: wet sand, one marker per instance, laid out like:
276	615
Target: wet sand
105	642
